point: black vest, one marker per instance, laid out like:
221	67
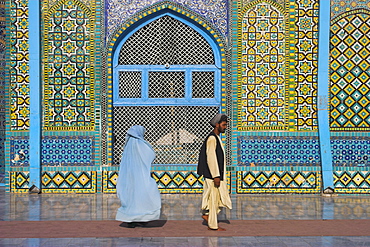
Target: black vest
203	168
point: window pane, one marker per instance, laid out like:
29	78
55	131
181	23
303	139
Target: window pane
175	132
166	41
166	84
203	84
130	84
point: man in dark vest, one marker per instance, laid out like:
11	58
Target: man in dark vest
212	166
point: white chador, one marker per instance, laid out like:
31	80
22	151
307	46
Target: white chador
214	198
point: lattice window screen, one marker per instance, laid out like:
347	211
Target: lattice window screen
203	84
129	84
166	84
166	41
175	132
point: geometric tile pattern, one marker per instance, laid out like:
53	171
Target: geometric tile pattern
19	151
68	181
262	90
110	181
278	182
278	151
19	182
349	75
119	11
55	151
178	182
56	182
19	66
339	7
69	62
3	93
306	44
350	151
67	151
352	181
184	182
168	181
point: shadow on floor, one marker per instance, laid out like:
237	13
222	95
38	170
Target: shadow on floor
150	224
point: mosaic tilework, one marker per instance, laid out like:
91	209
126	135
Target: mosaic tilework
169	182
56	181
277	82
278	182
262	70
306	42
2	87
349	76
178	182
19	67
68	181
119	11
88	3
338	7
351	181
19	151
278	151
69	77
67	151
19	182
350	151
56	151
110	181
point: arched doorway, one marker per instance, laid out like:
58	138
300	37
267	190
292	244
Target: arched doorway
166	77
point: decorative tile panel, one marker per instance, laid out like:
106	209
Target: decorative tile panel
349	72
19	66
351	181
306	42
262	86
278	151
3	84
350	151
69	61
118	11
67	151
339	7
110	181
19	182
278	182
172	182
69	181
19	151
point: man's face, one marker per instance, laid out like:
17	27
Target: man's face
222	126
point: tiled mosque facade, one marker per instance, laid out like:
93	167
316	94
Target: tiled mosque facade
75	76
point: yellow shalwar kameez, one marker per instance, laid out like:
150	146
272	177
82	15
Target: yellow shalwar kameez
214	198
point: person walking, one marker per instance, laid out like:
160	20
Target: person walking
136	189
212	166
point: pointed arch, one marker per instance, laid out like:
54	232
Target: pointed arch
181	16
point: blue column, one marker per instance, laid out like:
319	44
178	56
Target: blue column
323	93
35	104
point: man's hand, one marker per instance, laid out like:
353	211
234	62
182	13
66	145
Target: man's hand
216	181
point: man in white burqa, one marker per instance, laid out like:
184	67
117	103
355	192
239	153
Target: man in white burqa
136	189
212	165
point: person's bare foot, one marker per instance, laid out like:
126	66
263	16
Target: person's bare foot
205	217
218	229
